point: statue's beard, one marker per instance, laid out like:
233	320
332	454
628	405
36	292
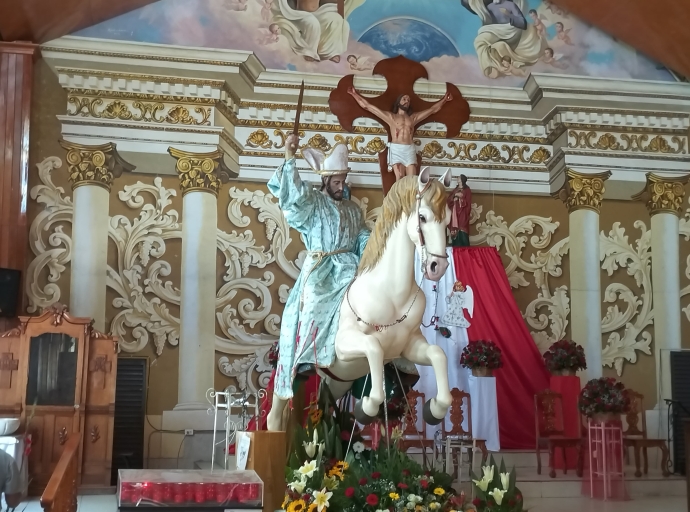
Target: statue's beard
405	109
336	195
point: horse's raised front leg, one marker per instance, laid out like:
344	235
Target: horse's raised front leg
274	420
357	346
418	351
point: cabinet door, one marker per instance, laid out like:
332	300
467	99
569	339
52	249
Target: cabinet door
10	381
100	412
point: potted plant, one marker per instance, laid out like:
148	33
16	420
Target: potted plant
565	357
482	357
603	399
496	490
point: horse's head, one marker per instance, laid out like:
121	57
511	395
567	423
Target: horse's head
426	225
420	203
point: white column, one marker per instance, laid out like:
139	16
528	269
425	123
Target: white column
92	170
585	287
201	177
665	296
198	300
582	194
664	199
89	253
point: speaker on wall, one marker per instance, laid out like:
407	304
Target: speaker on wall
680	399
9	292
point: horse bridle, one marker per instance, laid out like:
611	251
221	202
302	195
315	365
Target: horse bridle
422	242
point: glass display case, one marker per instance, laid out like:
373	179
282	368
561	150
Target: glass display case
189	489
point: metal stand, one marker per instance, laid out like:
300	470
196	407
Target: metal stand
605	451
233	404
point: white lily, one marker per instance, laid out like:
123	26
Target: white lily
321	499
307	469
505	480
298	485
310	448
497	495
482	484
488	473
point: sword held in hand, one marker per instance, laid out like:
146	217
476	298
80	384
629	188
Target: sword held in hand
292	141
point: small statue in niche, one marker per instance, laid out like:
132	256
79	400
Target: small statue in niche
461	298
460	204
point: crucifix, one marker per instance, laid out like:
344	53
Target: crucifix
400	111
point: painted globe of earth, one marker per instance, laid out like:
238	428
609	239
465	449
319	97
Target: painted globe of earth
414	39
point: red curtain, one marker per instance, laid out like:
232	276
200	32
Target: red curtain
497	318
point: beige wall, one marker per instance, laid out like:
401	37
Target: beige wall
50	100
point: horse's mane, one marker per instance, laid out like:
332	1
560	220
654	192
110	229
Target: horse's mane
401	199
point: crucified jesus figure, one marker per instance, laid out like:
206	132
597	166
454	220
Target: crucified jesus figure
402	157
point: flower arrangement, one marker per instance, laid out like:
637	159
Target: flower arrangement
496	490
603	395
481	354
273	355
322	476
565	356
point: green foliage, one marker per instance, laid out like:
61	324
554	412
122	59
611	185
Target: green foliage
490	480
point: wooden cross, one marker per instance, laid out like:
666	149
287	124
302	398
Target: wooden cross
8	364
400	73
102	365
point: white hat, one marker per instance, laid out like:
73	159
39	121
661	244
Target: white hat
327	165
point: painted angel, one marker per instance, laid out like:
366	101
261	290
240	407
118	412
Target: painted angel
562	33
269	35
236	5
461	298
538	23
266	6
509	69
555	60
361	63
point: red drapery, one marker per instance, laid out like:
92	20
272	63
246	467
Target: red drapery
497	318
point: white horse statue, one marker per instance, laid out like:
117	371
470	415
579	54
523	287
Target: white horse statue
381	313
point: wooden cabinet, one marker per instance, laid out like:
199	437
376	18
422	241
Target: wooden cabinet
57	374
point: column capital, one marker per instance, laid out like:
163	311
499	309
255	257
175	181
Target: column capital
663	194
200	172
582	191
94	165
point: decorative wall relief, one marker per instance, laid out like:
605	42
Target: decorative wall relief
684	230
138	279
547	261
51	245
615	253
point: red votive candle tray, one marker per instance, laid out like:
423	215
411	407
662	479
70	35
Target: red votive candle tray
189	489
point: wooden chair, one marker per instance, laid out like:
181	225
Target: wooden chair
635	435
60	494
548	419
450	442
414	436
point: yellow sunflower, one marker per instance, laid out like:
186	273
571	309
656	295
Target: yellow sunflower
339	469
285	502
297	506
312	507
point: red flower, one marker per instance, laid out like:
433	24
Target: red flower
349	492
345	435
405	472
362	481
402	486
372	500
424	483
476	502
376	475
511	502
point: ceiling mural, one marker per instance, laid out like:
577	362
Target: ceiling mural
496	42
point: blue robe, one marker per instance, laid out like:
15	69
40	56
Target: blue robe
314	303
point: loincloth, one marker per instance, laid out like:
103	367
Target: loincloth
401	154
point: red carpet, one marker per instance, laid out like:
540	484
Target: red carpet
497	318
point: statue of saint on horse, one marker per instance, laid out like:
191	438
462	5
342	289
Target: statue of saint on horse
355	305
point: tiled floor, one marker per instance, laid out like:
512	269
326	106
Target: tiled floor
672	504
